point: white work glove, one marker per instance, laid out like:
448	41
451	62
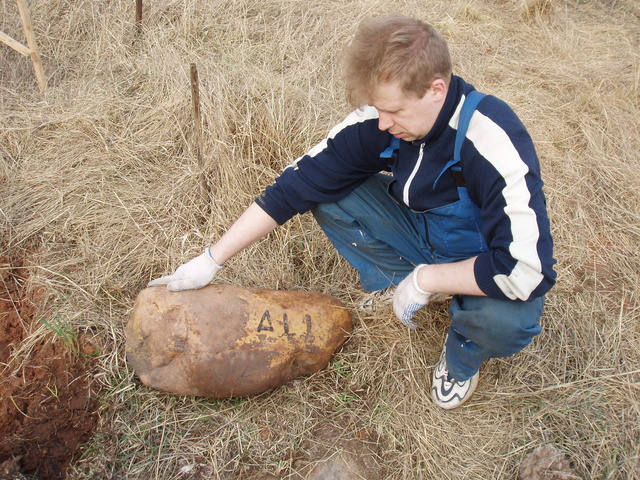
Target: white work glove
196	273
409	298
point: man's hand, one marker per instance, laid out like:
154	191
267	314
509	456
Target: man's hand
409	298
196	273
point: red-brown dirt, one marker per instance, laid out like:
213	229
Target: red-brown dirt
48	405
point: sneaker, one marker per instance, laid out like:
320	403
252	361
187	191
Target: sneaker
373	300
446	391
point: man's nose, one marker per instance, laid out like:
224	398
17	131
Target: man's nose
384	122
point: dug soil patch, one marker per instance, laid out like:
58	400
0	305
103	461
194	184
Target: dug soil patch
47	397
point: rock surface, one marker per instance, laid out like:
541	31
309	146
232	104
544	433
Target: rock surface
335	453
224	340
546	463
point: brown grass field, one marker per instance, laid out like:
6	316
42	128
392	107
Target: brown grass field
99	193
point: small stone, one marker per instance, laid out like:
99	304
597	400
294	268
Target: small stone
223	341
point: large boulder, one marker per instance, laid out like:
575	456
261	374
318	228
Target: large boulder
224	340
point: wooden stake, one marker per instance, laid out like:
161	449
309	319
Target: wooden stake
195	97
33	46
139	15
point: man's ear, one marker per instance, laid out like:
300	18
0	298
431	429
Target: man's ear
438	90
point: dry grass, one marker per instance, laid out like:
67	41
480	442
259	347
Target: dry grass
98	183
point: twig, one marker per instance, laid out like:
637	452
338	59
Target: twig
18	408
195	97
571	384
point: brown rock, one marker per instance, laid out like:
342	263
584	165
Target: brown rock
225	340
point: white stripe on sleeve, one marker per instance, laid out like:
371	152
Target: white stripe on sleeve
357	116
493	143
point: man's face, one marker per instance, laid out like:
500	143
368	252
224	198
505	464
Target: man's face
406	116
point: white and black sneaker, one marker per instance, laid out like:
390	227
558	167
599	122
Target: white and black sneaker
447	392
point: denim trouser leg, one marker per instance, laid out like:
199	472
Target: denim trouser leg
378	237
483	328
384	241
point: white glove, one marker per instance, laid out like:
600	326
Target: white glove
409	298
196	273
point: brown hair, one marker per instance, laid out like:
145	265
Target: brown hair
394	48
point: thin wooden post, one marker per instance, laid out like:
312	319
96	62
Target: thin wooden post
17	46
195	97
33	46
139	15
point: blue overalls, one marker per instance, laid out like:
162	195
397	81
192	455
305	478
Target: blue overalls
384	240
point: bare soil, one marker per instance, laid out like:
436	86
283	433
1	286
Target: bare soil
47	406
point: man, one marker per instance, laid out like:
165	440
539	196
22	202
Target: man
468	221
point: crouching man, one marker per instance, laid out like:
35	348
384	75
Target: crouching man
459	210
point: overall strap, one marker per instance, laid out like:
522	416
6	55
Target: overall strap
470	104
391	149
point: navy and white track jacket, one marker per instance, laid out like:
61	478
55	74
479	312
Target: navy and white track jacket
499	165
